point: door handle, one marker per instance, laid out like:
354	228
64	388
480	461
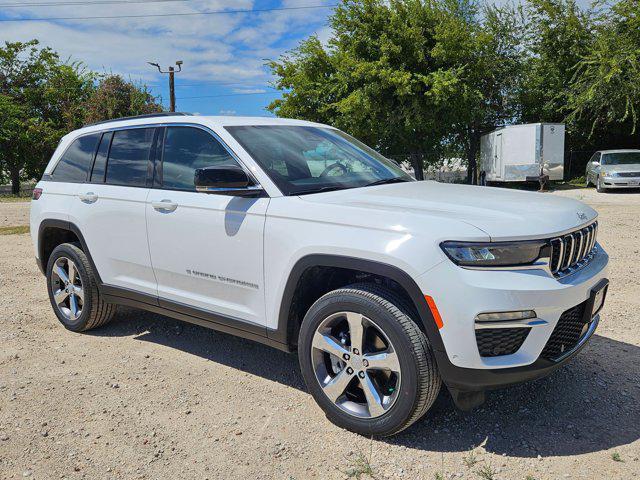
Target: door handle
88	197
164	206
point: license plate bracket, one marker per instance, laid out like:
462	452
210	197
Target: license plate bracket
596	300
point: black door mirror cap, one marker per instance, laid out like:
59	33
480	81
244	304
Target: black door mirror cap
226	180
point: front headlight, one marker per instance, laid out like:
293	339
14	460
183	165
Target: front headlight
495	254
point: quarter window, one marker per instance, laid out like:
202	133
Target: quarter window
185	150
76	161
129	157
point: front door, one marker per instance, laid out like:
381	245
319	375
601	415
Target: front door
206	249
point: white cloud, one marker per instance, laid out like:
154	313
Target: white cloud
249	90
227	112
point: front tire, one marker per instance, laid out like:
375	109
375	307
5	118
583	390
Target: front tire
366	362
73	290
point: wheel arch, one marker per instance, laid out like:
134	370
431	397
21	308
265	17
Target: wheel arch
54	232
288	324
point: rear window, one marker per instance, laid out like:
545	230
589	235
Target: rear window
129	157
76	161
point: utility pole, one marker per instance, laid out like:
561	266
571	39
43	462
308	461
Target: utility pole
172	89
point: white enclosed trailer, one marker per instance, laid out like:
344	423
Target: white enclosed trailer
520	153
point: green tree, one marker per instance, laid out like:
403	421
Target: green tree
407	77
115	97
605	93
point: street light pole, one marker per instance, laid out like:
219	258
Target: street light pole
172	89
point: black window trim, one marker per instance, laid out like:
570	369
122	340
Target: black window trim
51	176
153	156
95	156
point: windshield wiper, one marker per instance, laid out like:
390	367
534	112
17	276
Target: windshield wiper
384	181
327	188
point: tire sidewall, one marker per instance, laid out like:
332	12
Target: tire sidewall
405	403
68	251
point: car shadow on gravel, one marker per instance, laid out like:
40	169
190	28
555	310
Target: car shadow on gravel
229	350
590	405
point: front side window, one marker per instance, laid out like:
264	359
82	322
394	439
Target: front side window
301	159
621	158
76	161
128	161
185	150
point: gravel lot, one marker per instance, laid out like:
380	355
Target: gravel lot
150	397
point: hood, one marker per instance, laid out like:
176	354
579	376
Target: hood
503	214
631	167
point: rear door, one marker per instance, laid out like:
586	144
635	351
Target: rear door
206	249
110	209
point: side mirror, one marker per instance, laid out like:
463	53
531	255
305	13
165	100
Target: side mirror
595	163
226	180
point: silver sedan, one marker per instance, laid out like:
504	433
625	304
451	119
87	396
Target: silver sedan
609	169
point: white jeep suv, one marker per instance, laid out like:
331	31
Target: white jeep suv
297	235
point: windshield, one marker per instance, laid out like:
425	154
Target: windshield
303	160
621	158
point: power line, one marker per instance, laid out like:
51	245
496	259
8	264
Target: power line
83	2
212	12
231	95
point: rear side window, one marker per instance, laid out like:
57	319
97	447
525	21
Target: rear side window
129	157
97	174
185	150
76	161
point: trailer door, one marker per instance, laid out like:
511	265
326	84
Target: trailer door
497	155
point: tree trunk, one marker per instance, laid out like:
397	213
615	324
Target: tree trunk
472	153
15	181
416	163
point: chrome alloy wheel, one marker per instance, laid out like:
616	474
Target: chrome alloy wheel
355	364
66	287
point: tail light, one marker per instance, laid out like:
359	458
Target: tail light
37	192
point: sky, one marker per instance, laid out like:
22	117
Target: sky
223	54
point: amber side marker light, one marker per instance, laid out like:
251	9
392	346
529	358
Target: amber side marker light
434	311
37	193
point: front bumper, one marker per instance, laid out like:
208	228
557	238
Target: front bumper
461	294
621	182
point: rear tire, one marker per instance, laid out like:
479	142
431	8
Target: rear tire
394	378
73	290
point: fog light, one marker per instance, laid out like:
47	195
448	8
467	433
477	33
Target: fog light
504	316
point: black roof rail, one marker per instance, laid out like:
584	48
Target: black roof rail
135	117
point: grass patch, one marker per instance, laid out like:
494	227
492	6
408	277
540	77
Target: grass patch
471	459
14	198
486	473
360	466
615	456
14	230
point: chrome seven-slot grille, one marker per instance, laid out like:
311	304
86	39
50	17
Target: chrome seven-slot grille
573	249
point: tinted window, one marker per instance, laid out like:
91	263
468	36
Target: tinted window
129	157
76	161
186	149
97	174
302	159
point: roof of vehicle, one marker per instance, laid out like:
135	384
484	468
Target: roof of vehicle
621	150
212	121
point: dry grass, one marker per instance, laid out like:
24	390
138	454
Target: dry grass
14	230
